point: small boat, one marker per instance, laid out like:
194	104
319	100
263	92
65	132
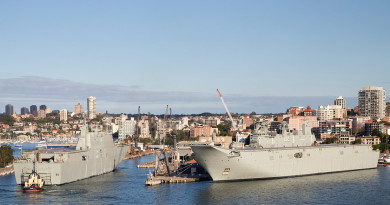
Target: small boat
41	145
384	160
151	181
34	183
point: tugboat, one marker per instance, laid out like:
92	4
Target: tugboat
34	183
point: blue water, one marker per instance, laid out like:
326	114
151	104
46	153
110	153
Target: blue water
25	146
126	186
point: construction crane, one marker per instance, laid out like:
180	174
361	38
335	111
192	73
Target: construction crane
137	128
227	110
162	127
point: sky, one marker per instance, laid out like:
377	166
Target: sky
264	56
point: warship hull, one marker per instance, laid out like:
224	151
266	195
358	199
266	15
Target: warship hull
95	154
266	163
71	165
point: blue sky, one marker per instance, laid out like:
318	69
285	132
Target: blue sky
264	56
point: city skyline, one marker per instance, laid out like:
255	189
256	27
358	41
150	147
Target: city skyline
296	102
263	56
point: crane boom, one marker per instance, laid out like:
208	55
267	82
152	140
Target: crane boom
227	110
137	127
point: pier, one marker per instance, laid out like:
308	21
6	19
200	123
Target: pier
136	155
148	165
157	180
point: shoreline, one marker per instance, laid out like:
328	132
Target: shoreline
7	170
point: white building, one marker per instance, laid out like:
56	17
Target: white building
64	115
126	128
183	123
358	124
372	102
41	114
330	112
91	107
340	101
144	129
48	111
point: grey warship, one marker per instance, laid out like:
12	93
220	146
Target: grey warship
288	154
96	153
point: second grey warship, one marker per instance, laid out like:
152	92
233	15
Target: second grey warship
273	155
96	153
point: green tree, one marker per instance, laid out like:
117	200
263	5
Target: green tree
7	119
331	140
224	129
358	141
382	147
386	123
6	155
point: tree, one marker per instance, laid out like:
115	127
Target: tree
224	129
382	147
386	123
331	140
358	141
6	155
7	119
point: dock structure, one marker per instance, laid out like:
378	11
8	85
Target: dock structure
148	165
156	180
132	156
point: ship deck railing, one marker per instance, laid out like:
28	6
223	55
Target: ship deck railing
278	148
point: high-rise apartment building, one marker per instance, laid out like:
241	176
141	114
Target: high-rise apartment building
144	129
63	115
41	114
340	101
78	108
91	106
330	112
42	107
34	110
9	109
126	127
372	102
24	111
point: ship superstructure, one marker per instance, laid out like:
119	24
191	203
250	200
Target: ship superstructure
96	153
285	154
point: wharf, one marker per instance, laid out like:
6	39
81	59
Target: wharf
148	165
156	180
132	156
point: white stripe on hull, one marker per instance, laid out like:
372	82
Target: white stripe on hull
222	165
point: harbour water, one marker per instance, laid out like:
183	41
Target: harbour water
126	186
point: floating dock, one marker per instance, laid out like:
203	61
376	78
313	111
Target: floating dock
152	181
148	165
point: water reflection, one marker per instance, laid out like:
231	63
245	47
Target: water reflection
127	186
308	189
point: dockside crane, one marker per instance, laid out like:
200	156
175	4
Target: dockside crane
137	128
227	110
162	128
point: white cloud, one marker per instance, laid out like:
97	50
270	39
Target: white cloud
59	94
